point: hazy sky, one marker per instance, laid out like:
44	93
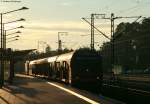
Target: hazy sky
46	18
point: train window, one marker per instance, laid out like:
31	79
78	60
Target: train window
50	65
58	65
65	65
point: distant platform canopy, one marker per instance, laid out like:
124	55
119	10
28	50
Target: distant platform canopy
17	54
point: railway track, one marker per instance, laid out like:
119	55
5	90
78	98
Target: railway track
126	94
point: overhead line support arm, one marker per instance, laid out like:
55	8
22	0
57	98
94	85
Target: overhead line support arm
96	29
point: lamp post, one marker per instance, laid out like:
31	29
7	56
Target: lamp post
2	45
4	31
59	40
5	34
15	28
14	37
21	19
12	40
11	72
12	33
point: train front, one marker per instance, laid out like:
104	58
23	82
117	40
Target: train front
86	68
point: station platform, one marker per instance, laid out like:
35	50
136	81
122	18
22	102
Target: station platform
33	90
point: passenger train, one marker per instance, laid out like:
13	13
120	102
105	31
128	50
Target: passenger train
84	68
76	68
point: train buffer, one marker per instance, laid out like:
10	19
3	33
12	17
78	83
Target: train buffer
31	90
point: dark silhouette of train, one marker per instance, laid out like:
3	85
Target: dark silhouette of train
80	67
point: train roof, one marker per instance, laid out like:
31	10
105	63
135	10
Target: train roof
52	59
66	56
32	62
38	61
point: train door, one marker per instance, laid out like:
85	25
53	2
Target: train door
54	69
50	70
66	72
61	70
27	67
58	75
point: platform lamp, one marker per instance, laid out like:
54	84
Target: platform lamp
2	48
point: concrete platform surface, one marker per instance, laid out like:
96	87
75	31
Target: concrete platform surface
30	90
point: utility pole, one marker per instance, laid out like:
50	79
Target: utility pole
93	28
92	31
1	54
59	40
112	41
112	19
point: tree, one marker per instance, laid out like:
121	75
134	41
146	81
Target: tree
131	41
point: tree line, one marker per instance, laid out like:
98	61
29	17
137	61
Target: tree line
131	47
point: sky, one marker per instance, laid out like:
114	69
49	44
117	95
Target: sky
45	18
